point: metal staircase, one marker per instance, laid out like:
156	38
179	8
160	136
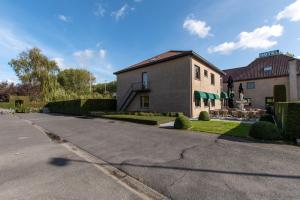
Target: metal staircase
131	93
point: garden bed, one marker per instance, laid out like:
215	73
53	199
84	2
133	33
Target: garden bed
148	120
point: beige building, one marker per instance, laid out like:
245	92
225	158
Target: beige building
174	81
260	76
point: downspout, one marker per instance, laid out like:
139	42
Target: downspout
191	87
293	80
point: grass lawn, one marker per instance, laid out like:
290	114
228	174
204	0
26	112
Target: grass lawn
224	128
151	120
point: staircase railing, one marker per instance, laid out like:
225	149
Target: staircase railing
134	87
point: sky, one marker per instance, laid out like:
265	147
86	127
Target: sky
104	36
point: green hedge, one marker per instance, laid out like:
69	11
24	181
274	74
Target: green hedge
267	118
134	120
204	116
287	116
82	106
265	131
182	122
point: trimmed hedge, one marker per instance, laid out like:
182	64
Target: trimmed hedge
182	122
204	116
279	93
267	118
82	106
265	131
287	116
172	114
134	120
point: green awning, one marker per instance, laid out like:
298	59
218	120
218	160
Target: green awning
217	96
210	96
224	95
200	95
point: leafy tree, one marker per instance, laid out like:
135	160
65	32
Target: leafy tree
35	69
76	80
111	88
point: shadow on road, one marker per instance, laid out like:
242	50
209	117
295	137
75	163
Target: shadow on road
61	162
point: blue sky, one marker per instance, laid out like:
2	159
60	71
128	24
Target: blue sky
104	36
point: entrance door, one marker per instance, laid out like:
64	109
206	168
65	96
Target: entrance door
145	84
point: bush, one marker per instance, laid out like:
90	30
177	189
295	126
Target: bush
267	118
204	116
82	106
22	109
264	130
182	122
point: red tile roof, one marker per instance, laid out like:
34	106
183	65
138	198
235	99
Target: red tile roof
255	70
167	56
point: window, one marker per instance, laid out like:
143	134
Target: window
212	79
213	103
268	69
197	72
250	85
205	73
144	101
197	102
145	78
205	102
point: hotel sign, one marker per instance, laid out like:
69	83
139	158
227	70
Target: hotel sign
269	53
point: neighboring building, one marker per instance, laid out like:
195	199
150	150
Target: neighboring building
260	76
174	81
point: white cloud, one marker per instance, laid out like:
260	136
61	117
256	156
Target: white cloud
63	18
10	40
60	62
298	38
121	12
102	53
88	53
291	12
196	27
95	61
260	38
100	11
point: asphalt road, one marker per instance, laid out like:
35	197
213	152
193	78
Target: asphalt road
32	168
182	164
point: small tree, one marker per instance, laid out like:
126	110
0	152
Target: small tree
76	80
35	69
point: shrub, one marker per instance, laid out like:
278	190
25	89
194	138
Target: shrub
264	130
204	116
182	122
267	118
81	106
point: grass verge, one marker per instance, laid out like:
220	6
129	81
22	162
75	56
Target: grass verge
149	120
223	128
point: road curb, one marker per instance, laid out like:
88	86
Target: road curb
132	184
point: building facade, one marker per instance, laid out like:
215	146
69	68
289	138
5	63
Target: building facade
174	81
260	76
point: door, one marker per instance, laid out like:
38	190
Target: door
145	84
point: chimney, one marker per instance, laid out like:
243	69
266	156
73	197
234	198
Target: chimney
293	79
